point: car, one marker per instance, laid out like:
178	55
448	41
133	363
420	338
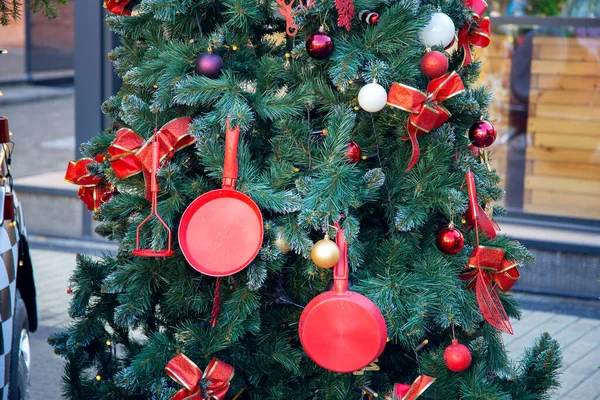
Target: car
18	308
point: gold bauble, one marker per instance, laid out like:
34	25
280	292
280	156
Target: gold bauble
325	253
282	245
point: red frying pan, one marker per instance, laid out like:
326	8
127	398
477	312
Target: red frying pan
221	232
340	330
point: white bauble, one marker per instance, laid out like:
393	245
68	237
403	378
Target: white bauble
440	30
372	97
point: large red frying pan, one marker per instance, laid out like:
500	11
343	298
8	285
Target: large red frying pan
340	330
221	232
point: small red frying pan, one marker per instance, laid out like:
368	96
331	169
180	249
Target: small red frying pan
340	330
221	232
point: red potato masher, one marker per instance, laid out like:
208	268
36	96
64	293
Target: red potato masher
168	252
221	232
340	330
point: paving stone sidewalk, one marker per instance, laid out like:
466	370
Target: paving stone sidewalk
579	337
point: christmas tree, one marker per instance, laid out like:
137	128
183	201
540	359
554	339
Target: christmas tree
11	9
362	146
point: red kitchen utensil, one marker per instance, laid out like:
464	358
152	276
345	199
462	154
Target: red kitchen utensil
340	330
154	189
475	216
221	232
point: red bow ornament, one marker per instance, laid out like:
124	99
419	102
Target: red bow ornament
478	36
426	110
213	384
130	154
488	269
411	392
119	7
93	191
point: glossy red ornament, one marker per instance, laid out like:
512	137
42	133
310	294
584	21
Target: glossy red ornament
69	291
340	330
434	64
450	241
354	152
482	134
319	45
457	357
368	17
119	7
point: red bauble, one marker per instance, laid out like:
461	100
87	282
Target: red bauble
434	64
69	291
457	357
319	45
119	7
354	152
482	134
450	240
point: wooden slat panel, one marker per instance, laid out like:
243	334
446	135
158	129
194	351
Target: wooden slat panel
572	53
566	82
567	97
568	170
562	185
562	211
564	126
563	155
567	112
570	68
565	141
569	42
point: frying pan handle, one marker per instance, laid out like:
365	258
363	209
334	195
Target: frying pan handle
230	169
472	191
340	272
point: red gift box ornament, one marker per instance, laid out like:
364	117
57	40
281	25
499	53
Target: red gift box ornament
411	392
478	36
213	384
426	110
93	191
130	154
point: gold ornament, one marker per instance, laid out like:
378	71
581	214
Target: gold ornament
282	245
325	253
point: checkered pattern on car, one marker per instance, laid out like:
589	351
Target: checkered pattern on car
9	258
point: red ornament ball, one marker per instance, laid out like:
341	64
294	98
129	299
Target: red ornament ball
450	241
401	390
319	45
69	291
434	64
354	152
482	134
457	357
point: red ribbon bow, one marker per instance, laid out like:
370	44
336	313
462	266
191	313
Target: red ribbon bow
93	191
217	376
426	110
403	391
490	269
130	154
478	36
119	7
